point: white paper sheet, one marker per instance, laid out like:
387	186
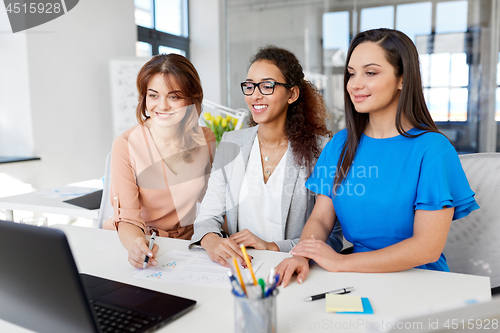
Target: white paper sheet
65	192
192	268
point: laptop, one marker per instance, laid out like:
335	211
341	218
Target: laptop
41	289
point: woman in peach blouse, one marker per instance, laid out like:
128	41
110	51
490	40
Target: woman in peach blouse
160	167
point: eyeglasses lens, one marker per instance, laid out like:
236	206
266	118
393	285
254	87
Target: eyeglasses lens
265	87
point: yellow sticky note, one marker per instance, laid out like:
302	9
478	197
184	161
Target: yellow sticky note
335	303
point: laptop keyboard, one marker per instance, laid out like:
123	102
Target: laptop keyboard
119	320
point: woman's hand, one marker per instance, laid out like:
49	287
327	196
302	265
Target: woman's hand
312	248
139	249
219	249
318	251
134	240
287	267
248	239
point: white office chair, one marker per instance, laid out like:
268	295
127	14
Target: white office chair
473	242
106	210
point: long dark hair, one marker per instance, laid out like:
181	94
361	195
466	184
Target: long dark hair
402	54
305	120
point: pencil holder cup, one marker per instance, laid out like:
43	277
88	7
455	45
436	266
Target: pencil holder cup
256	315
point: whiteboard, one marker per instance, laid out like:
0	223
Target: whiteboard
124	93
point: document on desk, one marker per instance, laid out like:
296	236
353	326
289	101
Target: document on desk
65	192
192	268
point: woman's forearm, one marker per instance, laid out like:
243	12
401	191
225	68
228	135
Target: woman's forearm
317	228
398	257
424	247
320	223
128	233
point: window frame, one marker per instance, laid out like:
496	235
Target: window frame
468	36
159	38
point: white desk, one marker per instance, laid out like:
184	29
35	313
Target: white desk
99	252
50	201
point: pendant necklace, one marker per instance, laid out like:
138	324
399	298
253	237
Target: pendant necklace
172	156
160	139
267	169
268	156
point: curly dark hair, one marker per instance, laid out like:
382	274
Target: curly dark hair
306	117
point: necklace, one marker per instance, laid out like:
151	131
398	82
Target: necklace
268	170
268	156
159	139
166	153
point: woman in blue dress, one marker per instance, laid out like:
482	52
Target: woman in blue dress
391	179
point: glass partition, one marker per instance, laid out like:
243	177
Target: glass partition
455	40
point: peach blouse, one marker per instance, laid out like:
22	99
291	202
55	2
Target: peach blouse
146	193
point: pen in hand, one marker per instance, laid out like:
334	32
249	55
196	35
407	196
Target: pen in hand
323	295
151	243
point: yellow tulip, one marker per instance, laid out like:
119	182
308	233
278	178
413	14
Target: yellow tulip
217	121
219	117
207	116
224	122
235	121
228	118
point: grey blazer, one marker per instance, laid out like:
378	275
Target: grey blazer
222	196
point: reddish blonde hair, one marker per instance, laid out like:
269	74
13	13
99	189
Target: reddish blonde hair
178	72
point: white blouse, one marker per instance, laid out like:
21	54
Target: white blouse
259	207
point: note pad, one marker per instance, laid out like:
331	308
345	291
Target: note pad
367	307
346	303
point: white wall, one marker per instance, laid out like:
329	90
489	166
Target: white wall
67	63
207	46
62	82
14	92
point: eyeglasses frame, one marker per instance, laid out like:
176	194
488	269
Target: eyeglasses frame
286	85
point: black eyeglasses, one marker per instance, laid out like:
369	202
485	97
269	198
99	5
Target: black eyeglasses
265	87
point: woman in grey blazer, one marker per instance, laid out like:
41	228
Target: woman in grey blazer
258	176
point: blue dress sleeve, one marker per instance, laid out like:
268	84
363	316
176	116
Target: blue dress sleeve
443	183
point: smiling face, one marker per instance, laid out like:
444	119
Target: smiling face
268	108
164	104
373	85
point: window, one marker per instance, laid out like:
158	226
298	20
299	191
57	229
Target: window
143	49
497	99
166	49
377	17
451	16
443	56
336	31
162	27
445	79
406	22
454	39
445	71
